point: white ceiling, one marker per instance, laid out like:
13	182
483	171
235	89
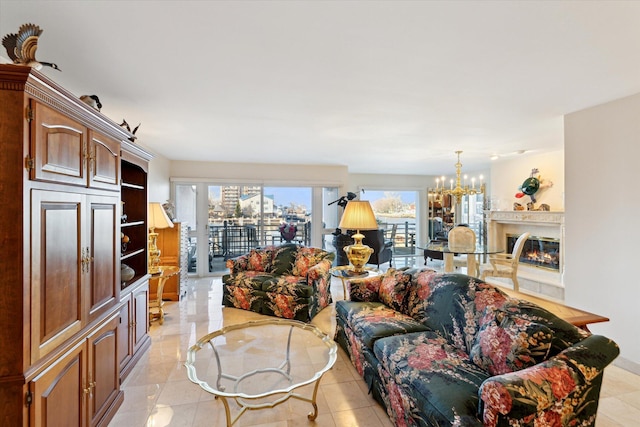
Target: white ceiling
380	86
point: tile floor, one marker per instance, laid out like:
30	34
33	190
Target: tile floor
158	393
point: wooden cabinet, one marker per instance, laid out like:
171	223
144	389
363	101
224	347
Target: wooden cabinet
61	304
174	245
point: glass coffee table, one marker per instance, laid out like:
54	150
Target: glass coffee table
261	364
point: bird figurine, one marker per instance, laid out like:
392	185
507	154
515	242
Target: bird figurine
22	47
92	100
532	185
125	125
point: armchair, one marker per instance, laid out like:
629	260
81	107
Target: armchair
382	249
506	265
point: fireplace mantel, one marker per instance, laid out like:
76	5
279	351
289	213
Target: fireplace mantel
522	217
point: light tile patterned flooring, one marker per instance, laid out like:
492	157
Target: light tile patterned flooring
158	393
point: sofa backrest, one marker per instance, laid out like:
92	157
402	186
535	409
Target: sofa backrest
296	260
457	305
283	257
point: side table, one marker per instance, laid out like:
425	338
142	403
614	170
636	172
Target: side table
157	304
342	272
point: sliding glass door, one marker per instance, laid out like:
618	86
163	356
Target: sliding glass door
228	220
396	214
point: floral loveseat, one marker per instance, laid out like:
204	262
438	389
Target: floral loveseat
448	349
288	281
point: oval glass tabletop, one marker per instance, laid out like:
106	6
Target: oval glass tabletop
261	363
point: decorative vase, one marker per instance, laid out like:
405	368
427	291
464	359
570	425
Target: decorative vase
288	231
126	273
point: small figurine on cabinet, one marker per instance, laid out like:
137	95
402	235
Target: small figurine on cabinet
92	101
22	47
125	125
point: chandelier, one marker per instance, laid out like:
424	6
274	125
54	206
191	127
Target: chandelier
461	188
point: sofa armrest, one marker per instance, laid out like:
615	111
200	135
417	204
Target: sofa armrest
364	290
319	271
562	388
319	279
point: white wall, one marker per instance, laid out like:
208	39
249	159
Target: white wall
602	149
508	174
311	175
158	178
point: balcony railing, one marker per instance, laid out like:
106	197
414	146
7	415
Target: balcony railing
230	240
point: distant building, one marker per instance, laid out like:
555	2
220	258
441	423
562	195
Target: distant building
230	195
250	205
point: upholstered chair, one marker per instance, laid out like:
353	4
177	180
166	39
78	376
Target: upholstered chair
506	265
382	249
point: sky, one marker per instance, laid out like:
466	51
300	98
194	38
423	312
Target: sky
406	196
302	195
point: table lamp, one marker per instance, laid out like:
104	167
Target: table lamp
157	219
358	215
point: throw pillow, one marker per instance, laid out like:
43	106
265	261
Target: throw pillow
393	289
418	294
509	343
305	259
259	260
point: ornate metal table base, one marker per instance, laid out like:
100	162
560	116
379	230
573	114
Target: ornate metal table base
276	382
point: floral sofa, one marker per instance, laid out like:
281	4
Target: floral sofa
289	281
448	349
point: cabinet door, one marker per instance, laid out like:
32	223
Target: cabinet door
57	292
58	147
125	326
60	393
104	162
101	254
141	315
103	374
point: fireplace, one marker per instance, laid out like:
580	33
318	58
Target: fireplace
541	252
540	276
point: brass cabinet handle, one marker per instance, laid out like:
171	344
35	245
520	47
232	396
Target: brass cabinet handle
86	260
91	160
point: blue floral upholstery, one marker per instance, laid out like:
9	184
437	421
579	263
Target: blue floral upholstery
289	281
448	349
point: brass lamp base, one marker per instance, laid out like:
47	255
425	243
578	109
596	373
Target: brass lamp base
358	255
154	254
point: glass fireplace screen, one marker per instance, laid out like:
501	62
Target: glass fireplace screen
543	252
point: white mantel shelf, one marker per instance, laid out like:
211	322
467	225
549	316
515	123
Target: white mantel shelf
522	217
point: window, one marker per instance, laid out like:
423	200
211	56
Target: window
238	217
396	214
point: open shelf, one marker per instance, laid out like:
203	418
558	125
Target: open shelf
134	214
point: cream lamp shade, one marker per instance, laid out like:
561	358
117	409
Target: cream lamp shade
157	218
358	215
